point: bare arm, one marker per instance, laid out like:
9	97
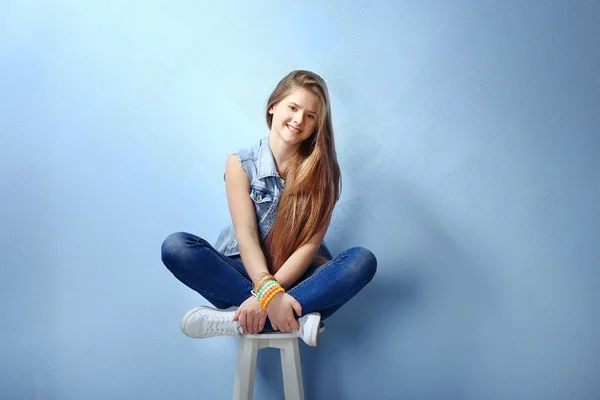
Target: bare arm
297	264
243	216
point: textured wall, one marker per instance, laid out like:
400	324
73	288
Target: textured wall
470	155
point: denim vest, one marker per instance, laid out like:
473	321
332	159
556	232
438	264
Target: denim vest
266	187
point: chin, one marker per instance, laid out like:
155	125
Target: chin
290	137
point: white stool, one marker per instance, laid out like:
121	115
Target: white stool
243	388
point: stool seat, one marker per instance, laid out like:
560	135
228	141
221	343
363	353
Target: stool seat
243	388
279	335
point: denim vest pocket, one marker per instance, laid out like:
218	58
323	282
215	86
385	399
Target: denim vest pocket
261	195
263	201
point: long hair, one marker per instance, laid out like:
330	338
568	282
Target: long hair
313	179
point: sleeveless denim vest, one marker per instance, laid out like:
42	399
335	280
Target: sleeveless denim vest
266	187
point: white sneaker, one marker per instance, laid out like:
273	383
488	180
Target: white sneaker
310	325
204	322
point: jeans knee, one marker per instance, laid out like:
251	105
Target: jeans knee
175	246
366	262
370	263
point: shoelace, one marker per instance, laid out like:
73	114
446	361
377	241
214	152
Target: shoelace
222	324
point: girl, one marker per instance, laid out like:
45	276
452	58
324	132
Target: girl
270	270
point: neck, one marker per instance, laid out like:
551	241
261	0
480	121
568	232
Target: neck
282	152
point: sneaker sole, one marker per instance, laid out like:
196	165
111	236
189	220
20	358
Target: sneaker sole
313	325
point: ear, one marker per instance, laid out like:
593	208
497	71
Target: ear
272	110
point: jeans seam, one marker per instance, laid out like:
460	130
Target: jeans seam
220	257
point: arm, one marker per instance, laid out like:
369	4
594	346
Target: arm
281	308
243	216
297	264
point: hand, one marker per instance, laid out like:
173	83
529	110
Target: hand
252	318
281	312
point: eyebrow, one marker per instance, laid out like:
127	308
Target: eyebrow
313	112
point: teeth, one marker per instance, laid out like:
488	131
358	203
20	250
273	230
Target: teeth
293	129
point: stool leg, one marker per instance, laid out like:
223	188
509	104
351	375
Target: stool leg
292	370
243	388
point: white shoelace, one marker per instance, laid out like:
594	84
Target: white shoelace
222	324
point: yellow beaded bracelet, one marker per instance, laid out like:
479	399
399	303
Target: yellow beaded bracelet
267	292
271	296
268	299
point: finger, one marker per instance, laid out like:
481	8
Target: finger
276	326
286	328
262	322
236	315
293	324
250	323
243	322
297	308
257	327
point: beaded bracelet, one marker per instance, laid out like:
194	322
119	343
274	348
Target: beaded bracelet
266	287
266	302
262	284
257	284
267	292
259	292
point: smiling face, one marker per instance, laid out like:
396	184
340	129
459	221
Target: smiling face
295	116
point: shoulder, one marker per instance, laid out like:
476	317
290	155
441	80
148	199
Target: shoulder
247	158
248	153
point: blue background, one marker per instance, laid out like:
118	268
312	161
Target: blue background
470	153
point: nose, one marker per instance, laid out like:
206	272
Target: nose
298	117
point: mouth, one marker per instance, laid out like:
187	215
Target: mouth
293	130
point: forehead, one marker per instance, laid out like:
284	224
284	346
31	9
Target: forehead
304	98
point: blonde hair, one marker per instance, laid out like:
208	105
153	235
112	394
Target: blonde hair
313	179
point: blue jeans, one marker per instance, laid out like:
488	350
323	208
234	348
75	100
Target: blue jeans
224	282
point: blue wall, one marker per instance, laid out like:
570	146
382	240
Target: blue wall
469	148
